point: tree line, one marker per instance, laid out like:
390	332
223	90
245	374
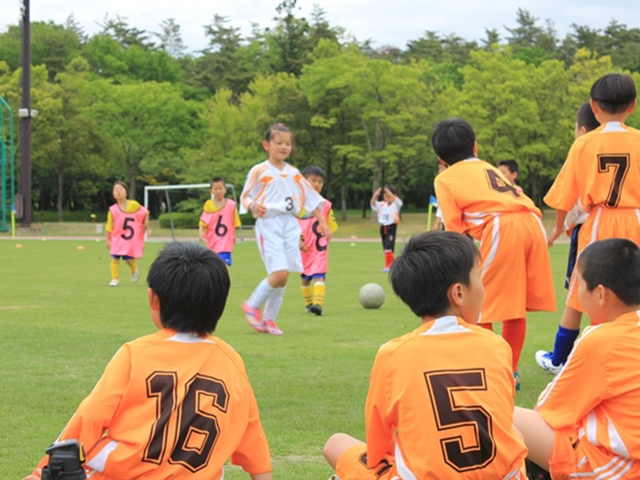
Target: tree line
132	105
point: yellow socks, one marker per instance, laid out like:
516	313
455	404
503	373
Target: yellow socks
132	265
115	265
318	293
307	294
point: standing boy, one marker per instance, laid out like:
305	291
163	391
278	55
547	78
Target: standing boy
440	402
602	173
476	199
510	170
586	423
219	221
569	327
176	403
315	247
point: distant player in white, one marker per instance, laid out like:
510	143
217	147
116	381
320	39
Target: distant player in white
275	193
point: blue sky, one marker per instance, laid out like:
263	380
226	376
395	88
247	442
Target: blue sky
388	22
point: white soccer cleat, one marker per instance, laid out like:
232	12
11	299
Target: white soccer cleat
135	276
544	360
114	283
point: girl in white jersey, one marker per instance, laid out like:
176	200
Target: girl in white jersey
388	212
275	193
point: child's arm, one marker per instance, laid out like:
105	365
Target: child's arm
558	229
262	476
108	230
322	223
145	223
202	233
374	198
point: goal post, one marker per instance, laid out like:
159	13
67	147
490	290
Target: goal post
192	186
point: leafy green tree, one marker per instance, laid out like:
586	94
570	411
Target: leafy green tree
171	38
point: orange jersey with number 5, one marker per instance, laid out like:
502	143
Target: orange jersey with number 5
471	192
602	169
443	412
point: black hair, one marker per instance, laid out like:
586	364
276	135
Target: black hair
429	265
585	117
123	185
278	127
512	165
615	264
453	140
192	284
391	188
312	170
216	180
614	92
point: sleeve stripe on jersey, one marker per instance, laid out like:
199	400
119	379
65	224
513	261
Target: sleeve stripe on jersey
251	182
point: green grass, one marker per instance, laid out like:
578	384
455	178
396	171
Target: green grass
61	324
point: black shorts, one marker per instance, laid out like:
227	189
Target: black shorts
573	255
388	236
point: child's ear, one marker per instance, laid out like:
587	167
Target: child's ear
455	294
475	148
265	145
154	301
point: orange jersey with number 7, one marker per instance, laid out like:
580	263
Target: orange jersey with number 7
602	173
476	199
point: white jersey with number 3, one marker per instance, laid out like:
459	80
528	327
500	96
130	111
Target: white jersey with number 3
283	191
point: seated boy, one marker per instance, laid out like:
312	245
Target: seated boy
587	421
441	398
176	403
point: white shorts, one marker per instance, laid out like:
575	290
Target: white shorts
279	243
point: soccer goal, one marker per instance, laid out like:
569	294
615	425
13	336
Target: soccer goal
198	199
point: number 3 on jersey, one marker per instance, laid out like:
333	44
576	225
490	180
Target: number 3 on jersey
196	430
459	423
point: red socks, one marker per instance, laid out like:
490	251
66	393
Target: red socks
388	258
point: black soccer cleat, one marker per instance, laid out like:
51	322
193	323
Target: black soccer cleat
316	309
534	472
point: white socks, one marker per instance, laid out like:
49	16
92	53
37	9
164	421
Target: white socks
274	302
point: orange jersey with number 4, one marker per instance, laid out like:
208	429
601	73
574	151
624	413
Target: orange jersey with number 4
476	199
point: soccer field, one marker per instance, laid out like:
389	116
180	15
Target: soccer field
61	323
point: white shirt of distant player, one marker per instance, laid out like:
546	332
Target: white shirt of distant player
576	216
282	192
388	214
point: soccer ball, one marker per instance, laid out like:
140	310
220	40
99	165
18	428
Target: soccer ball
371	296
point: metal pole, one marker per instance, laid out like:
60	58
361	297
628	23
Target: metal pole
25	131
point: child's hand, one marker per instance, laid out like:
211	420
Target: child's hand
259	210
326	231
377	192
34	476
303	246
108	244
555	233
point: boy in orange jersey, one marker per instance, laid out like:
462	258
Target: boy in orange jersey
602	173
176	403
586	423
477	199
441	398
569	327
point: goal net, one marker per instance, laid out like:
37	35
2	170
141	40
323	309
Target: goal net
181	204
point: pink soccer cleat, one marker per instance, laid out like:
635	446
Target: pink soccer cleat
253	317
271	327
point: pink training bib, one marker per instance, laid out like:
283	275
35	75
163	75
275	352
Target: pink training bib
316	259
221	229
127	236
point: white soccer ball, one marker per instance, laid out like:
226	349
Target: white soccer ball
371	296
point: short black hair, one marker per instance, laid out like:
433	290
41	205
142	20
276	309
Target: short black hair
512	165
429	264
614	92
391	188
615	264
314	170
192	284
453	140
216	180
585	117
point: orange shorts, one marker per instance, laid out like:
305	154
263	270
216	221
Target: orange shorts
352	465
603	223
515	268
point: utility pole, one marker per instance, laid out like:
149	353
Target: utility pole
25	118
